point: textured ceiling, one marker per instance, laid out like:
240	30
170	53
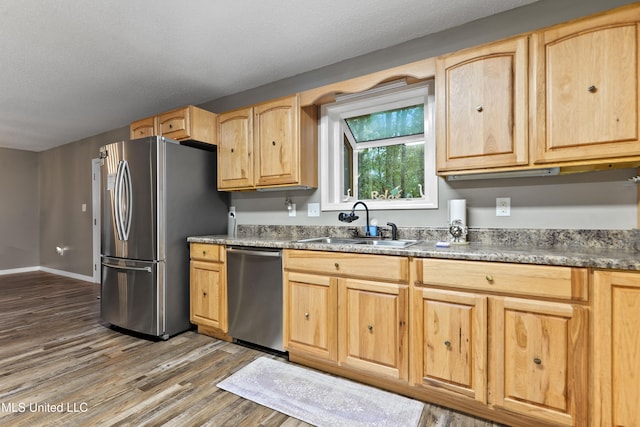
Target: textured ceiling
71	69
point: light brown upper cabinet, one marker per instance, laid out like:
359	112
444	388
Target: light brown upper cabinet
182	124
235	150
481	97
269	145
586	85
143	128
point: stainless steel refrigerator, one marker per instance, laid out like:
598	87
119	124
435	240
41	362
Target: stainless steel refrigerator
155	193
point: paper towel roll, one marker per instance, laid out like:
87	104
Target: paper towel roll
458	210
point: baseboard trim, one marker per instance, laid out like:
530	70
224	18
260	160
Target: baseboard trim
48	270
18	270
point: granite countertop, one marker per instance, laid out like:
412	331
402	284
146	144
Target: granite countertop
608	250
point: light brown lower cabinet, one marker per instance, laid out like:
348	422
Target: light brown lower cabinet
449	331
525	345
616	349
348	310
507	337
208	289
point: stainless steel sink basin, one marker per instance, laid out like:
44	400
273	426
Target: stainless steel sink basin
392	243
355	241
332	241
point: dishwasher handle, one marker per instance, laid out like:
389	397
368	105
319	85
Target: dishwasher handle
275	254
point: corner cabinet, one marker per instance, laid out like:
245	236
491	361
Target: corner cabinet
616	360
348	311
587	98
182	124
268	145
208	289
482	109
511	338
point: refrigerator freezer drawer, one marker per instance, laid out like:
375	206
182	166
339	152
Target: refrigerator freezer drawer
130	297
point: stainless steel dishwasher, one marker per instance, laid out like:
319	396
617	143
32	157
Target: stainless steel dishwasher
254	283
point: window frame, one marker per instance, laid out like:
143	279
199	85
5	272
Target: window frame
331	140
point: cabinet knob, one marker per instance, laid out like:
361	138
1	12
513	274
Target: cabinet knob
447	343
489	277
370	328
232	150
592	89
204	253
479	108
273	143
337	266
537	361
306	315
204	294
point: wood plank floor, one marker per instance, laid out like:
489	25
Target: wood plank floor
55	354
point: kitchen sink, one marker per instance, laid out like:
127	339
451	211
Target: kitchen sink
332	241
392	243
356	241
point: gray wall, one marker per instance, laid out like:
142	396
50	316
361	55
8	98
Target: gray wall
19	209
602	200
65	184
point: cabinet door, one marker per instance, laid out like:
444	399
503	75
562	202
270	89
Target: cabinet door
310	318
616	358
449	335
587	86
373	327
482	107
143	128
276	141
208	294
235	149
539	359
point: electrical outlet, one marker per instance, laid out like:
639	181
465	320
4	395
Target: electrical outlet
313	209
292	209
503	206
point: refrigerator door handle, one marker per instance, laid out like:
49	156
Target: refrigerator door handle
124	267
116	201
123	200
128	193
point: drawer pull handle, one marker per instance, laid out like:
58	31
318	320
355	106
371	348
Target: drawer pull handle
370	328
479	108
592	89
306	315
489	278
447	343
537	361
337	266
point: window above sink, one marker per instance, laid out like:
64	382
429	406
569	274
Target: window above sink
379	146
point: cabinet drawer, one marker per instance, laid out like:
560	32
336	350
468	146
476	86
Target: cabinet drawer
174	124
207	252
377	267
520	279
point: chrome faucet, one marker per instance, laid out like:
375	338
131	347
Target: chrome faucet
351	216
